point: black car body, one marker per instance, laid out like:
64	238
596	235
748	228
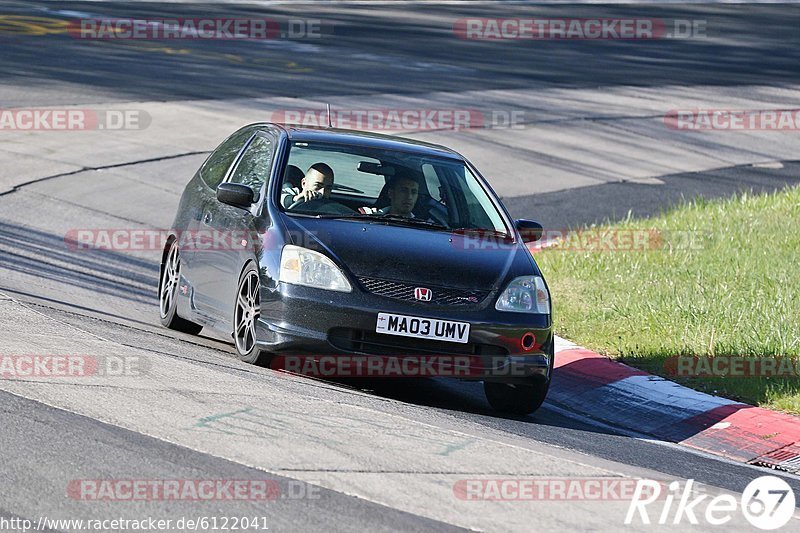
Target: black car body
230	279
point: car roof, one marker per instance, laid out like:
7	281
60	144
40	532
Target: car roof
366	139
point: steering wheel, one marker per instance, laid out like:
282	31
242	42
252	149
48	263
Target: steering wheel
430	210
438	218
298	202
302	201
325	206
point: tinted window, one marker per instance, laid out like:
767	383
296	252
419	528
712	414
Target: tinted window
480	212
216	166
379	182
254	167
344	166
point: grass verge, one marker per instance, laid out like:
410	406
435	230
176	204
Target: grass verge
708	278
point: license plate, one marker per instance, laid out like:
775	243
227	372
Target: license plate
424	328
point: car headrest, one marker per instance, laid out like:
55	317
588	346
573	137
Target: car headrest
383	198
293	176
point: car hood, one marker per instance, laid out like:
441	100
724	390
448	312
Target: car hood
401	253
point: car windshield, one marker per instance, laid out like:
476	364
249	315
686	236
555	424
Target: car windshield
395	187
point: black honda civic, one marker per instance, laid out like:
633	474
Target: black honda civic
376	255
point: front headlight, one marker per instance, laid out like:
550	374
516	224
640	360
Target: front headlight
302	266
526	294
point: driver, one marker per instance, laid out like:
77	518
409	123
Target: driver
403	192
316	184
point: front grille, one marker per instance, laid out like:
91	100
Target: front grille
405	291
370	342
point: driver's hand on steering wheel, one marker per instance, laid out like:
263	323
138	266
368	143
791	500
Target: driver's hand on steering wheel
307	195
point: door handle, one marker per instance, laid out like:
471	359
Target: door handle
207	218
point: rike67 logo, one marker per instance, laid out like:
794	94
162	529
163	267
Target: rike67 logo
768	503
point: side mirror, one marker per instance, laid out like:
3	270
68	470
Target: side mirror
529	230
235	194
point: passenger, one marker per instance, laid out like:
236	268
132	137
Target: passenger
316	185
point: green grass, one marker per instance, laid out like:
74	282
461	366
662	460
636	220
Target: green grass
725	280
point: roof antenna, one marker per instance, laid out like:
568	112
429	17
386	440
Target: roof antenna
330	125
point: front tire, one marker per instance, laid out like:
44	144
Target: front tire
515	398
168	294
246	312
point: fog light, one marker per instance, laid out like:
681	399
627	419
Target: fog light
528	341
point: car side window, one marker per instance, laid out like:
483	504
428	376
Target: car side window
255	165
216	166
344	166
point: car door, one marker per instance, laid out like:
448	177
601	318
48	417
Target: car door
212	172
231	232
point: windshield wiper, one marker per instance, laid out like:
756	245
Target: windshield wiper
483	232
386	218
413	221
355	216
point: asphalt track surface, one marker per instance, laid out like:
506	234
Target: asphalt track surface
384	455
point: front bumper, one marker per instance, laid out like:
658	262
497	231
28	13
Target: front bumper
310	322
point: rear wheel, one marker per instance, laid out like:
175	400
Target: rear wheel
168	294
245	317
516	398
